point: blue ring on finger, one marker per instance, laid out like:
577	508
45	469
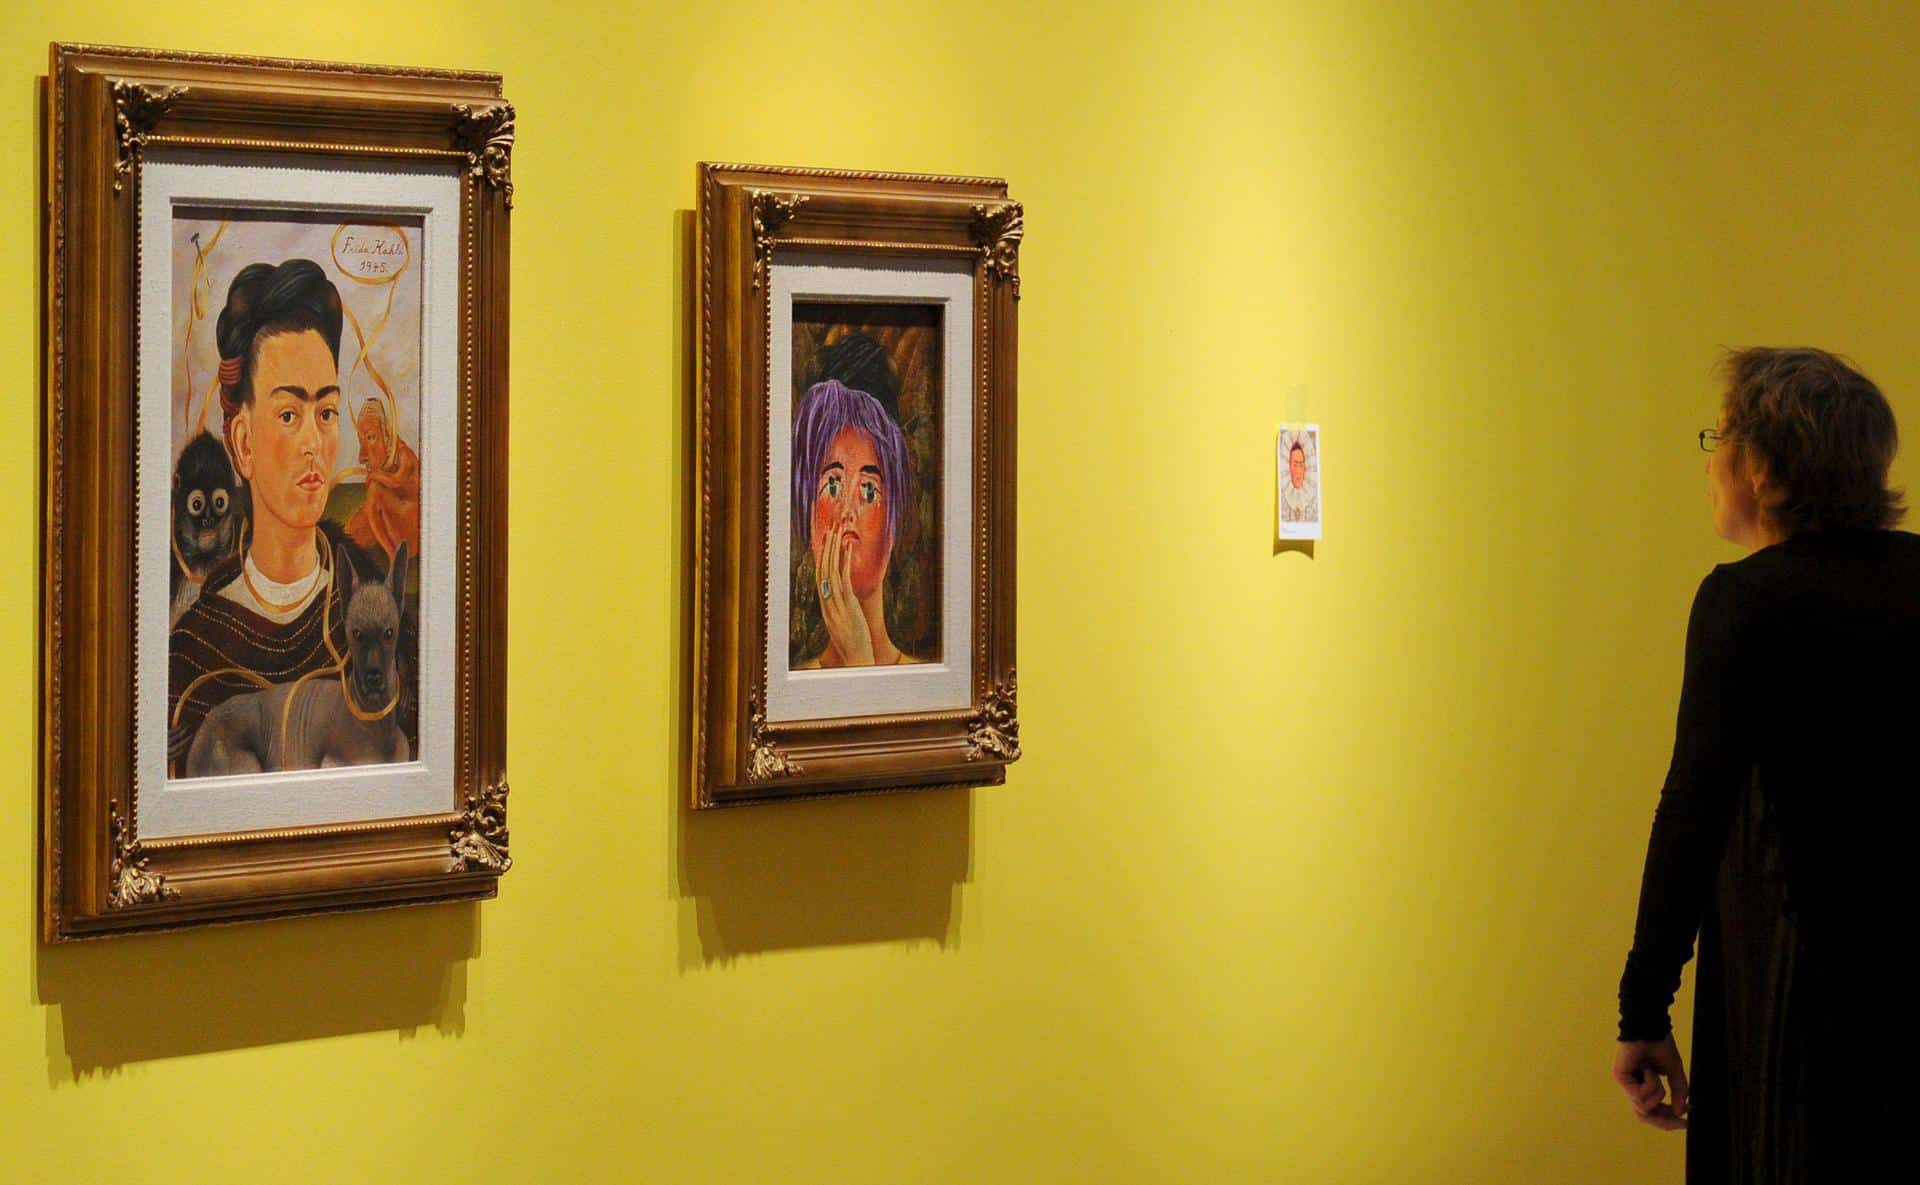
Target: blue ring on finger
826	589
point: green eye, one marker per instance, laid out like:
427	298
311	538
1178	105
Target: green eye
833	486
869	492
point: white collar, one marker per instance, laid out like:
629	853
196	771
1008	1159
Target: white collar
270	598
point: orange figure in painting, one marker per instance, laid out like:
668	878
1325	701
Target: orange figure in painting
391	514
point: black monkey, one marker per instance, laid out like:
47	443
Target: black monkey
207	508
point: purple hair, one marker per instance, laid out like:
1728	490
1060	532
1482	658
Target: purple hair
825	410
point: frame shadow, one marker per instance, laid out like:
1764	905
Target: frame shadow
115	1001
883	868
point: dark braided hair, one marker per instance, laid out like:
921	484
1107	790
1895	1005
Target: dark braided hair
264	300
859	362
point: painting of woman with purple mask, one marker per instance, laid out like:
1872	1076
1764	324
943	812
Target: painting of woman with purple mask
865	581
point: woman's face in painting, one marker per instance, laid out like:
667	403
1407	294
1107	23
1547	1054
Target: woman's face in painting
850	499
1297	466
373	435
286	440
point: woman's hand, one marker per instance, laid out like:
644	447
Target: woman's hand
846	624
1639	1067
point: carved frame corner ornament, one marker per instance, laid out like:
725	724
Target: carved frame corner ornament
995	729
479	843
998	230
765	761
487	133
136	110
771	212
130	881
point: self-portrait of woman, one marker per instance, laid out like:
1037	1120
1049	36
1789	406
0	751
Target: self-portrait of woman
274	612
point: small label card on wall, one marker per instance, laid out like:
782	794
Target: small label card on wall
1300	489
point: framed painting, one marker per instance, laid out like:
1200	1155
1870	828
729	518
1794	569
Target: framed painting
855	552
275	488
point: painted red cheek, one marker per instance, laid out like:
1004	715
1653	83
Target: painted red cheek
872	556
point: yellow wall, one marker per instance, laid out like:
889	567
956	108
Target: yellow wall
1319	868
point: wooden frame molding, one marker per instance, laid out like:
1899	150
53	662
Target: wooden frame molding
749	216
108	110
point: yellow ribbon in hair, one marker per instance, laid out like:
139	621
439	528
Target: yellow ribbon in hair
198	294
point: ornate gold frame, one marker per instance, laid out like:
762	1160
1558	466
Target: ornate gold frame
106	109
748	213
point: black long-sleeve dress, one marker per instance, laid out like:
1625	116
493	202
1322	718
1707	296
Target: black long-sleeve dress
1785	840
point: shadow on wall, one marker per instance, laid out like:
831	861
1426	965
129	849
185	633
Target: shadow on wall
111	1002
882	868
887	868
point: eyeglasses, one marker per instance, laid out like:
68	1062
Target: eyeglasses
1710	439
